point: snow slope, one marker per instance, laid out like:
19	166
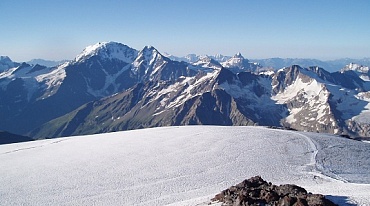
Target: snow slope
179	166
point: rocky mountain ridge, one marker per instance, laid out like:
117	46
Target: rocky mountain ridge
277	63
294	98
111	87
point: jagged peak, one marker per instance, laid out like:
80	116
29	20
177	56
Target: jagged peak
149	54
238	55
296	67
148	51
313	72
151	49
317	69
6	63
356	67
5	59
359	70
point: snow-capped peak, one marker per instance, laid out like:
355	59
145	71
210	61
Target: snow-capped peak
356	67
238	55
91	50
236	61
111	50
148	56
150	49
207	62
362	71
148	53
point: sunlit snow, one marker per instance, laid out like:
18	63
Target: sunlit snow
55	77
179	166
109	50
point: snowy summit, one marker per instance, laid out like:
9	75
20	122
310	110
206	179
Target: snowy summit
111	50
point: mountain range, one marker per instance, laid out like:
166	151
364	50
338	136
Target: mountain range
277	63
110	86
47	63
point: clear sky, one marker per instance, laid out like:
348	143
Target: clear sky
60	29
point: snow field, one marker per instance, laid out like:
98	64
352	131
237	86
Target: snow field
176	166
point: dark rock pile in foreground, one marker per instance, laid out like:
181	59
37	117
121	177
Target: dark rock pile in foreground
256	191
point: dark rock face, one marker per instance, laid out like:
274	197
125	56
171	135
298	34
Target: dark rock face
256	191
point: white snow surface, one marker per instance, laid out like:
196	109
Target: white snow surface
364	113
179	166
267	73
111	50
55	77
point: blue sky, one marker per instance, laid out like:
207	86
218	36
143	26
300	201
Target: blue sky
55	30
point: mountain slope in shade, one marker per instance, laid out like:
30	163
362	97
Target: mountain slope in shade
58	90
6	63
100	70
294	97
180	166
220	97
8	138
110	86
362	71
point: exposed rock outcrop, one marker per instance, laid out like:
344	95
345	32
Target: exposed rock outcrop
256	191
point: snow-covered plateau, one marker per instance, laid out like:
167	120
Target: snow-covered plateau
180	166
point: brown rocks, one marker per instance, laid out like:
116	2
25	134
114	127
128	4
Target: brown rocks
256	191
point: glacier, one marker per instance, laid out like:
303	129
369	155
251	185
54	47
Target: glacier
180	165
